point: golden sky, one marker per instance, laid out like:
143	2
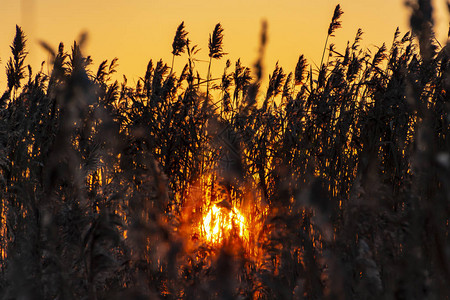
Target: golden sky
137	30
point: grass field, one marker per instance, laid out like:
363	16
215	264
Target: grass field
332	183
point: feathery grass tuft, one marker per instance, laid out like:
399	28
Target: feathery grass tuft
335	21
179	41
215	43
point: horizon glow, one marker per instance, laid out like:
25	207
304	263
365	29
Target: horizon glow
141	30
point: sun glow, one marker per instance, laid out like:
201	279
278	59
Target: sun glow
222	223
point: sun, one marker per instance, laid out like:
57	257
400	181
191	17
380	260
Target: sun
222	222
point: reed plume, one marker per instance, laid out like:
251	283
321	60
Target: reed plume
179	42
15	68
335	21
300	69
335	24
215	46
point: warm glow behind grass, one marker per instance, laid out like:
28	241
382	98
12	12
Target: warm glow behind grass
220	223
328	184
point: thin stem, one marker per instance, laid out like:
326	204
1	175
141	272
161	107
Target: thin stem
323	53
207	79
171	68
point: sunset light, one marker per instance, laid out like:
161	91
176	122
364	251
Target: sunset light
221	223
240	149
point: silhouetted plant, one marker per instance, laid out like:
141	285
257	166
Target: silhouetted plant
15	68
215	46
335	24
179	43
343	170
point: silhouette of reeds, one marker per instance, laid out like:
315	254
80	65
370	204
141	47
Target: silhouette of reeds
342	172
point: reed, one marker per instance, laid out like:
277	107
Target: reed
333	184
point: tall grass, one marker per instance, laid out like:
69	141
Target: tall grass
343	171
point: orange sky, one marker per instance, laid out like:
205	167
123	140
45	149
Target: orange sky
137	30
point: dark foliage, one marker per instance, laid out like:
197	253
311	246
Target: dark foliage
344	172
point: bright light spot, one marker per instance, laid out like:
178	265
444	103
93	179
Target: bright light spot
222	223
